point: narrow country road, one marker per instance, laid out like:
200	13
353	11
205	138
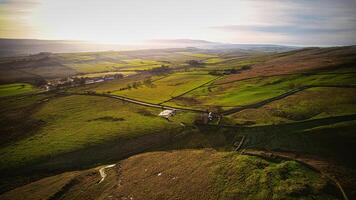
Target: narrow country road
138	102
102	172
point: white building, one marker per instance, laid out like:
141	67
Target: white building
89	82
167	113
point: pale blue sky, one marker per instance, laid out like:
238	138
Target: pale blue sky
295	22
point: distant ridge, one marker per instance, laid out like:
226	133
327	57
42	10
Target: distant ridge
16	47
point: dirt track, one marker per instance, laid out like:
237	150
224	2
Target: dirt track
102	172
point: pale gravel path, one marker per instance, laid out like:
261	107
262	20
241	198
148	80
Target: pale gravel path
102	172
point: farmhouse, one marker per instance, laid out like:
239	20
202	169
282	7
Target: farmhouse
99	80
89	81
167	113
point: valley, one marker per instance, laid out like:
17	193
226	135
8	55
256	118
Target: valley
294	109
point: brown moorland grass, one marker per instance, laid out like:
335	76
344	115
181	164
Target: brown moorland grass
188	174
300	61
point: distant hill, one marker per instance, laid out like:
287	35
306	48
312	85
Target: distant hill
203	44
56	65
20	47
302	60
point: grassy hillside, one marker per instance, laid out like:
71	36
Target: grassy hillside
203	174
71	123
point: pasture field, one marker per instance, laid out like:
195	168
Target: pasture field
141	62
16	89
71	123
166	88
313	103
198	55
213	60
235	62
92	66
189	174
244	92
95	67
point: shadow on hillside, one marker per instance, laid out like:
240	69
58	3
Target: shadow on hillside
317	137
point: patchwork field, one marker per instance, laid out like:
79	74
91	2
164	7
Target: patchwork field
166	88
95	67
312	103
244	92
62	65
104	66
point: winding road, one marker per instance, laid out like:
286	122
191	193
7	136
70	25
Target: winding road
102	172
138	102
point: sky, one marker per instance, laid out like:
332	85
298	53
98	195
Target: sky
289	22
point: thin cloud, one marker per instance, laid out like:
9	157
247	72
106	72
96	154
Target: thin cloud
283	29
318	22
305	22
13	15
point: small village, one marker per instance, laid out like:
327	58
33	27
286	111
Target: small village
78	81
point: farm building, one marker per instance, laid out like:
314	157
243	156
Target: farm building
167	113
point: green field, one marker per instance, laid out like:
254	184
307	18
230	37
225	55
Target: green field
76	122
198	55
96	67
312	103
87	65
213	60
166	88
16	89
250	91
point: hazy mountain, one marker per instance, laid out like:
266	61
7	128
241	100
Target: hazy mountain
15	47
203	44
